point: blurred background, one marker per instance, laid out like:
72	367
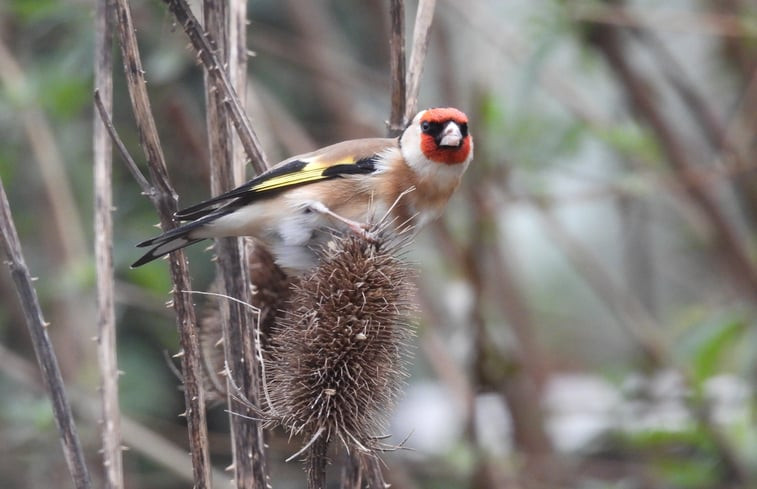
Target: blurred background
587	304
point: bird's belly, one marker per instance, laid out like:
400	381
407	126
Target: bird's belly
296	239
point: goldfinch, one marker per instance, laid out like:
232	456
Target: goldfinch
298	203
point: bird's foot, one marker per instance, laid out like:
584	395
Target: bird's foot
359	228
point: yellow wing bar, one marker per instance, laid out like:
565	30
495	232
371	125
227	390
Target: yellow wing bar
311	172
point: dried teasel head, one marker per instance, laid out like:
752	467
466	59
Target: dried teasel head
336	358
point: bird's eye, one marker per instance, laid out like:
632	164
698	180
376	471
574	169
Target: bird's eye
425	126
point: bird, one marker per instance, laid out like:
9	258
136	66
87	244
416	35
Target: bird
298	203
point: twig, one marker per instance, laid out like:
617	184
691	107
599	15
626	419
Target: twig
207	55
43	348
316	462
164	199
713	129
106	321
147	188
423	19
236	321
397	66
667	20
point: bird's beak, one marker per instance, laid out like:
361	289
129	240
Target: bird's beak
451	136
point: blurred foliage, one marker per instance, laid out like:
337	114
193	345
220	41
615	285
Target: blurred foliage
572	247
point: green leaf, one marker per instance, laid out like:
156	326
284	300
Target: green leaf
715	344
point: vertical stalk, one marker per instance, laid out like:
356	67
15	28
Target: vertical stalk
163	197
227	170
106	321
397	66
43	348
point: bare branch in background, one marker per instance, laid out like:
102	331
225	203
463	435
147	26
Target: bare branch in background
226	172
43	348
209	59
106	320
713	129
397	66
725	238
661	19
164	199
423	20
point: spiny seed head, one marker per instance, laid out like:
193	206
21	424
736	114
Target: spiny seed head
335	362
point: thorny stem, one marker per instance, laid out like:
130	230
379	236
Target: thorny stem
106	322
43	348
164	199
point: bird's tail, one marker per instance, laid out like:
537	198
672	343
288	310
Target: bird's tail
172	240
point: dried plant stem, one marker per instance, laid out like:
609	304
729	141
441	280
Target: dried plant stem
237	322
43	348
164	455
212	64
164	198
397	66
423	19
315	465
106	321
352	474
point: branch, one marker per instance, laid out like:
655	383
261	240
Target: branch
43	348
423	19
163	197
237	323
203	46
397	66
720	138
106	321
727	242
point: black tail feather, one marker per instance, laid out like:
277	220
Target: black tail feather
165	248
172	240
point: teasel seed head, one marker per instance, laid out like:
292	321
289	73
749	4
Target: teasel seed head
336	359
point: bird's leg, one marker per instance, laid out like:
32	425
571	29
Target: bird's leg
359	228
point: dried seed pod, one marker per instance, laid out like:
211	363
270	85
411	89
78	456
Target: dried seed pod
336	358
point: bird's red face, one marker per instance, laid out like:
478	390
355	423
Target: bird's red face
444	136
